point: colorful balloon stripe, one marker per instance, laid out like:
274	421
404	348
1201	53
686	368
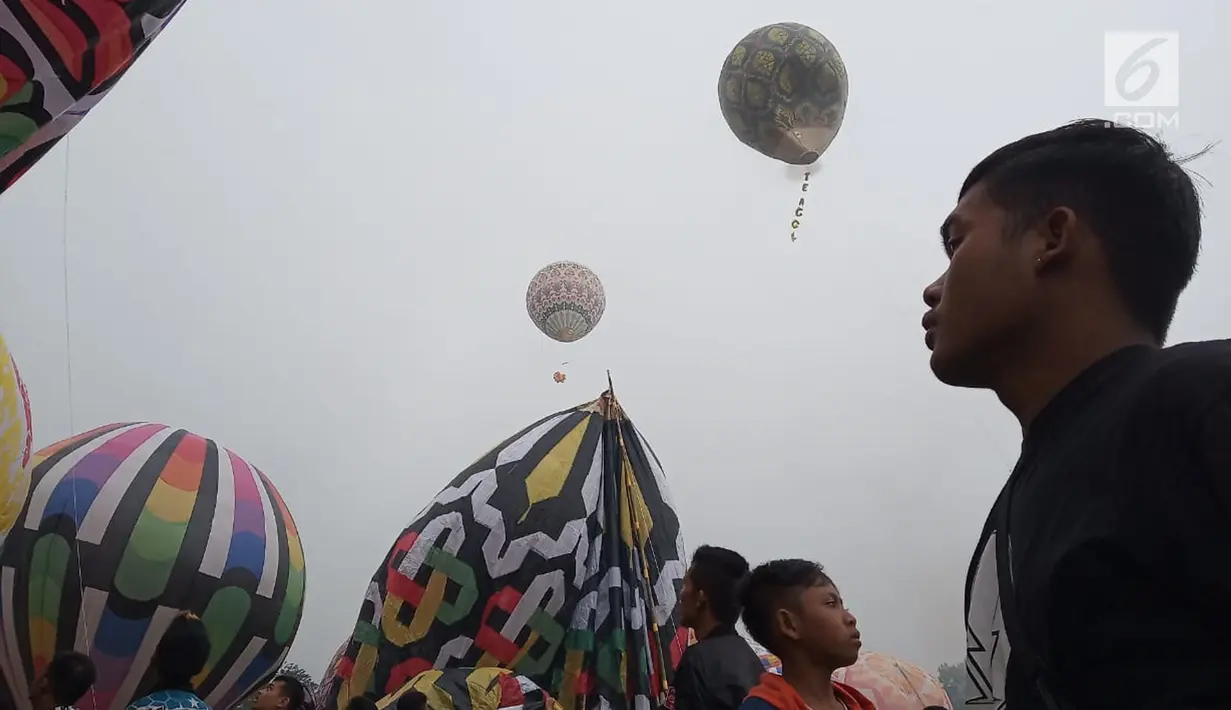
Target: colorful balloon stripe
248	539
145	518
76	491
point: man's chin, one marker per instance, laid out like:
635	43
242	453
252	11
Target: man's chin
951	370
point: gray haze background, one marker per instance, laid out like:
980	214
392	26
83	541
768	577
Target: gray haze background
305	229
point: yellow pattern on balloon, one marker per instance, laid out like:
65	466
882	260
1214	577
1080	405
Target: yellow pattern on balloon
15	441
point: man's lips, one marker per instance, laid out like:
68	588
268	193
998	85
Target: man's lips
929	326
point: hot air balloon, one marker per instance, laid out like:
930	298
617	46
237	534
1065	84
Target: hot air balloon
892	684
783	92
322	687
772	663
559	377
125	527
556	555
57	61
475	689
565	300
16	440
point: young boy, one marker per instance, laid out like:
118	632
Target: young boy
716	672
793	609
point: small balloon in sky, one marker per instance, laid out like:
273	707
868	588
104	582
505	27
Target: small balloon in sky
565	300
783	91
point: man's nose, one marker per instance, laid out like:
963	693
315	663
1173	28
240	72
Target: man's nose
934	290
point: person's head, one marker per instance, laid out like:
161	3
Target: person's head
1090	228
793	609
64	681
181	653
710	596
361	702
284	692
412	700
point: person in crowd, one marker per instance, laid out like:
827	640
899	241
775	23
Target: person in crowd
69	675
361	702
412	700
1068	251
180	655
793	609
284	692
716	672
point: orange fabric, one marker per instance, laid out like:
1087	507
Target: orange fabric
779	693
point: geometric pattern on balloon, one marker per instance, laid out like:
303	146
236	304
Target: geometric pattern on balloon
783	92
892	684
476	689
127	525
557	555
565	300
16	440
59	59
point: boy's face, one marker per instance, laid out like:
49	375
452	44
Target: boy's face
822	627
691	603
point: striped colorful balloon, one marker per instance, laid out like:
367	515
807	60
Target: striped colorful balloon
126	526
16	437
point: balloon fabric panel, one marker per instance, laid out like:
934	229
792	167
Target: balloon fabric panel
58	59
127	525
475	689
557	555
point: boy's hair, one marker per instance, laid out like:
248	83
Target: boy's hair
70	674
292	690
1127	186
773	586
720	573
182	652
412	700
361	702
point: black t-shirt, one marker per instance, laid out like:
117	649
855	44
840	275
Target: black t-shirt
1119	517
715	673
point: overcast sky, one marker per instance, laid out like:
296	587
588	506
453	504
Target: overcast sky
306	229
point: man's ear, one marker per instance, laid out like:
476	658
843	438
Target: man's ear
1056	238
788	624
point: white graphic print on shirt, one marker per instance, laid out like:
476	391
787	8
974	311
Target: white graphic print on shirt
987	644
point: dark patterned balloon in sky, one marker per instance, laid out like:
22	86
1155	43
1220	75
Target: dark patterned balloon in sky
557	554
783	92
126	526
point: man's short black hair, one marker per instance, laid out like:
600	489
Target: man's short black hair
412	700
361	702
1127	186
720	573
292	690
70	674
771	587
181	653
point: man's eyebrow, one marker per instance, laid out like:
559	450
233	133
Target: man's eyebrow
946	229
